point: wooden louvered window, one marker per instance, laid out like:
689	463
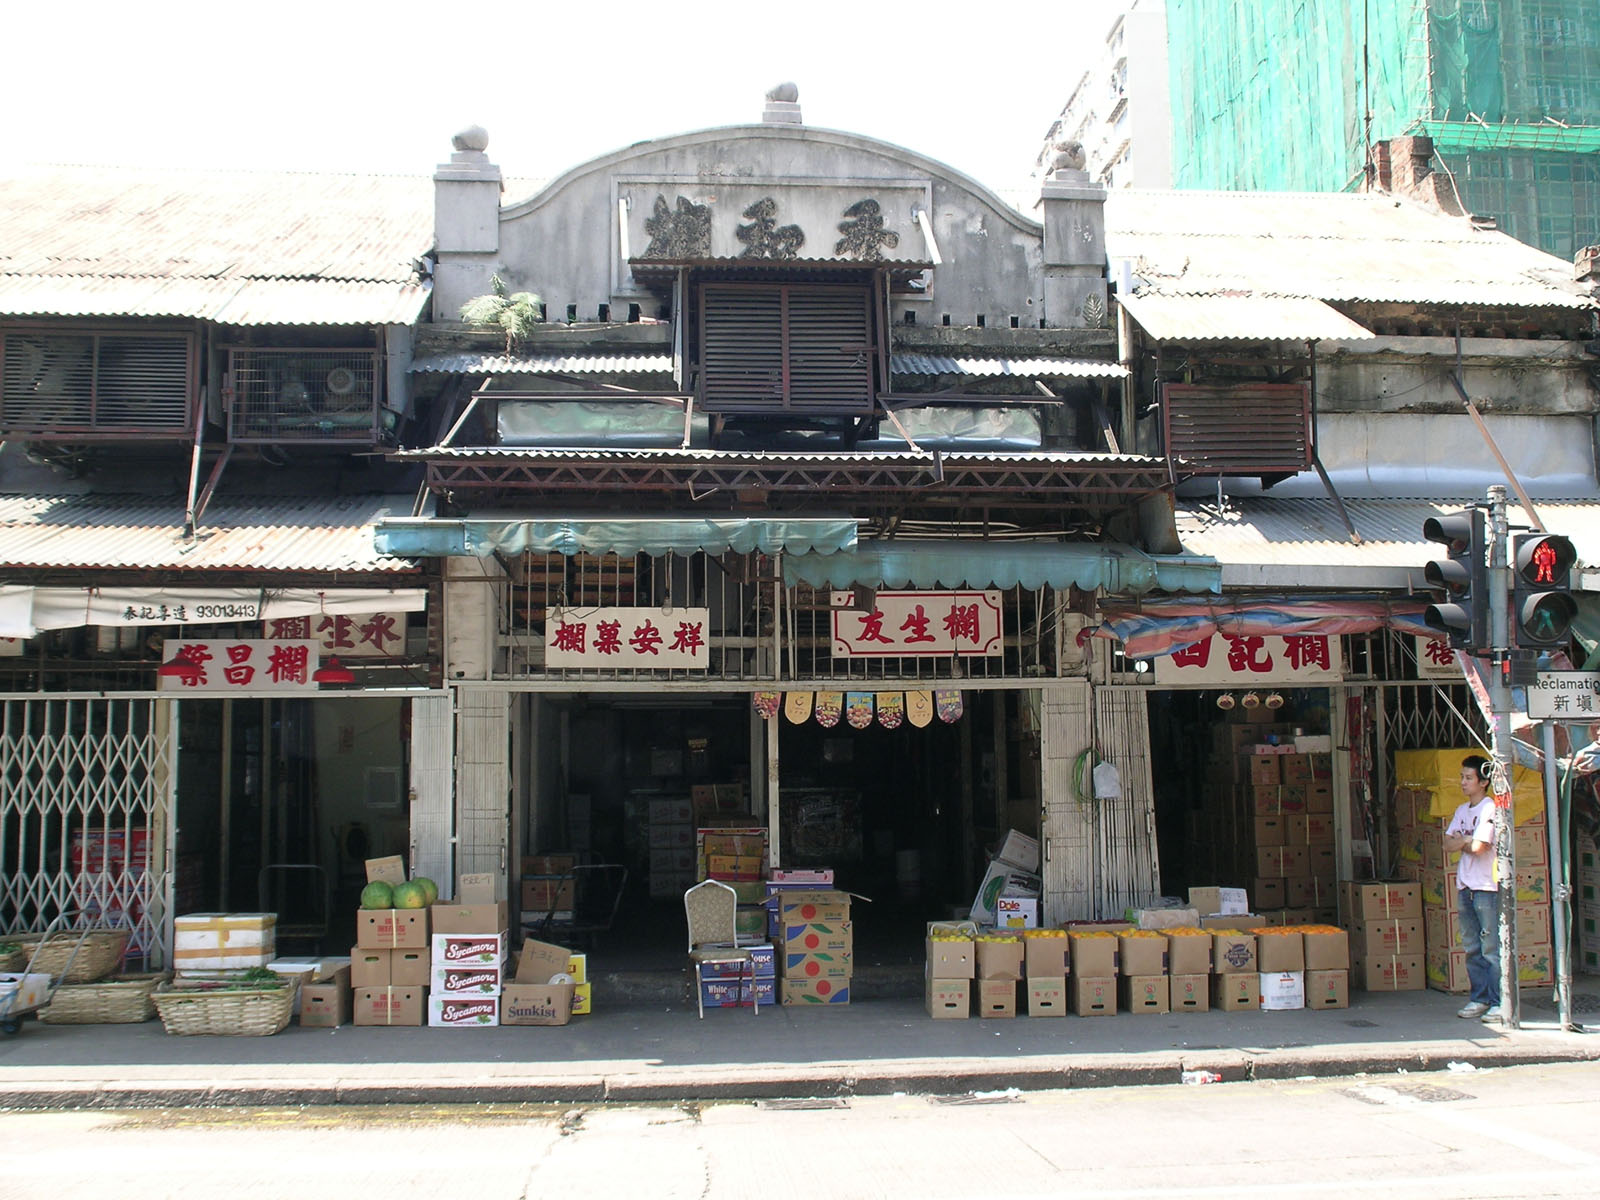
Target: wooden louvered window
1237	428
59	384
802	349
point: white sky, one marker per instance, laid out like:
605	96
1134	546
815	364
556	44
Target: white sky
370	87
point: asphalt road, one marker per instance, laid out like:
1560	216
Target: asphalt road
1512	1132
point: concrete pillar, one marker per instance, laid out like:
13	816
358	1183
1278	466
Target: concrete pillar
1074	246
466	224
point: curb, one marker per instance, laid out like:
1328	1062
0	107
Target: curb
914	1078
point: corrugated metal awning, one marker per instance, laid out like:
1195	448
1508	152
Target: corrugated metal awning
230	301
138	533
1214	317
543	364
1026	368
481	535
1090	566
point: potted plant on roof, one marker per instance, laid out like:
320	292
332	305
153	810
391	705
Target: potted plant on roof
514	313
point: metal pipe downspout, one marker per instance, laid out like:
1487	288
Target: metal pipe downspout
1560	892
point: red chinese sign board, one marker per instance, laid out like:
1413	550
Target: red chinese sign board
1230	660
921	625
363	635
241	665
1435	660
628	638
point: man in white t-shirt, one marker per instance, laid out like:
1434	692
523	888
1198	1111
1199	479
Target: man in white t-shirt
1472	830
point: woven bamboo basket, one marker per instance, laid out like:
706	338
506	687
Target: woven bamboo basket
12	960
116	1000
225	1012
98	956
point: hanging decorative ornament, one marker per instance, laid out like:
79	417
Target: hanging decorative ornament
797	707
858	709
766	703
1249	700
1274	700
891	709
1225	701
919	708
829	706
947	703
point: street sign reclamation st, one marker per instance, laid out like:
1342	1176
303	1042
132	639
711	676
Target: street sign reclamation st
1565	696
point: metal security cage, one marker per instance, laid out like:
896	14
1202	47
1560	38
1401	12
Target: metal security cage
299	395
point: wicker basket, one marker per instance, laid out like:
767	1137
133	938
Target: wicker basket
118	1000
98	956
12	960
227	1012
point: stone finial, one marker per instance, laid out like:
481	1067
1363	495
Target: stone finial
1067	156
783	105
473	137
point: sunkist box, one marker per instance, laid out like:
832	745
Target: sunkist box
536	1003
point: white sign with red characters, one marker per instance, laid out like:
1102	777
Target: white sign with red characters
1237	660
239	665
1435	660
921	625
360	635
632	638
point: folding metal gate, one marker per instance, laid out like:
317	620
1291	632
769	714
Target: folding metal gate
86	797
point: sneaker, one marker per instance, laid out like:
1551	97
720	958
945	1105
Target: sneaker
1476	1008
1494	1014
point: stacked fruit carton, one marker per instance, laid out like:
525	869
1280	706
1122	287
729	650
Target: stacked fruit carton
952	965
468	959
389	962
670	833
816	945
1384	918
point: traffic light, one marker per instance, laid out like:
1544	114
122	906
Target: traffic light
1462	612
1542	608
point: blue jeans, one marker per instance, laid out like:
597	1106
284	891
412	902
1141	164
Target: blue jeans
1480	934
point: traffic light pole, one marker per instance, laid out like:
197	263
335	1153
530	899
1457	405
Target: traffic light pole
1500	710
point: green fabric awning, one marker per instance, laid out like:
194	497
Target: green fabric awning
1118	569
478	537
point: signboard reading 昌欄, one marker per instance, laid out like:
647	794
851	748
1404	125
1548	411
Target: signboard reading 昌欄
240	665
630	638
919	625
1234	660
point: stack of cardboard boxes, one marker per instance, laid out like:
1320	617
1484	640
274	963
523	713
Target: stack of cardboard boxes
468	959
547	885
952	965
816	946
389	962
1012	874
737	856
670	834
998	961
1384	919
1092	986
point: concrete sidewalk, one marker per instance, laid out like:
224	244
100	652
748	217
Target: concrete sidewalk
663	1053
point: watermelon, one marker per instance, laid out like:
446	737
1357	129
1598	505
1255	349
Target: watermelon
377	895
410	895
428	886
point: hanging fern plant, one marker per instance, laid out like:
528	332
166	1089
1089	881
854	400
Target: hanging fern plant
514	314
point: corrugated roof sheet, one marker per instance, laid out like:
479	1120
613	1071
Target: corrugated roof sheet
238	247
1065	368
1327	246
241	534
760	458
1256	318
540	364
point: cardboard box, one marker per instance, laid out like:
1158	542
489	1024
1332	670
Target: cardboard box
1189	993
1532	845
1164	918
1016	912
1533	886
1047	957
1326	949
1438	888
1446	969
223	941
1093	956
539	962
1376	939
1270	831
1188	953
735	866
388	1005
548	864
1236	991
1144	994
948	999
1233	953
1279	951
999	958
1389	973
325	1003
1264	771
1280	862
1001	879
1327	989
1281	991
386	870
469	918
763	965
997	997
463	1012
836	966
369	968
1141	956
466	981
1269	892
734	993
1535	966
1296	768
1089	996
1373	900
678	810
1218	900
582	999
1533	924
408	968
554	894
1308	892
955	958
1292	798
819	937
1231	921
388	928
536	1004
1018	850
1047	997
469	949
814	992
813	906
1308	829
1319	798
1266	800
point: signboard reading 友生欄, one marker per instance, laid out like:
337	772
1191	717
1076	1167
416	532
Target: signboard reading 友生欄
241	665
920	625
631	638
1234	660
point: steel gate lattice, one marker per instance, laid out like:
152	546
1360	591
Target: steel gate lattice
86	788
